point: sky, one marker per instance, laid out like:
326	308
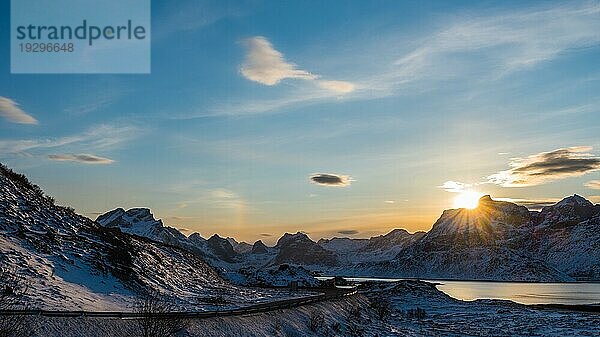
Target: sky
343	119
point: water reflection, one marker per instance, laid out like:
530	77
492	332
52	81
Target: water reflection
525	293
520	292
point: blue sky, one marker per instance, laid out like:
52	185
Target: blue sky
405	105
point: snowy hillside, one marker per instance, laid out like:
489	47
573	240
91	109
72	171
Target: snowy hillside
75	263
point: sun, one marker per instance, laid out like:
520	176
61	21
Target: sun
467	199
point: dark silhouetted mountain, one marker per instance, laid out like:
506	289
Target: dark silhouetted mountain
259	248
222	248
239	247
300	249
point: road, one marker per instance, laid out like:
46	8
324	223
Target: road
324	295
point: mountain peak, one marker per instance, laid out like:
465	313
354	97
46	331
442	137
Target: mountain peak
397	231
574	200
287	237
140	221
137	216
196	237
486	198
259	247
140	211
222	248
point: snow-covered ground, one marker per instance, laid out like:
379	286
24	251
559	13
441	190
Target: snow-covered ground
441	316
446	316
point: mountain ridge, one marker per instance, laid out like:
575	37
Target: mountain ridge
498	240
496	236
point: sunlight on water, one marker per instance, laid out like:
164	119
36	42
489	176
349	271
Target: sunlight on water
526	293
520	292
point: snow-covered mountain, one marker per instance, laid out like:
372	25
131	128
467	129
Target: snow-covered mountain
141	222
566	236
301	250
496	241
72	262
377	248
502	241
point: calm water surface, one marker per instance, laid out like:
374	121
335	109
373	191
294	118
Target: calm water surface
520	292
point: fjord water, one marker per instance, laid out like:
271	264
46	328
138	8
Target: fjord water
520	292
524	292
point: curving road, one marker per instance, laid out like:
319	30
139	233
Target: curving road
324	295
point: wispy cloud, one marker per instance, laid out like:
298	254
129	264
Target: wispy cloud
91	106
480	47
224	198
455	186
83	158
222	193
531	204
266	65
261	106
543	167
11	111
98	138
498	44
330	179
593	184
191	15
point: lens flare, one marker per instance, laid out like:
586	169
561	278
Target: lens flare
467	199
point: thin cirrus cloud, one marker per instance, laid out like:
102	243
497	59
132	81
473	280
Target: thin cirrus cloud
456	186
11	111
544	167
531	204
98	138
502	43
330	179
593	184
83	158
479	47
266	65
192	15
224	198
